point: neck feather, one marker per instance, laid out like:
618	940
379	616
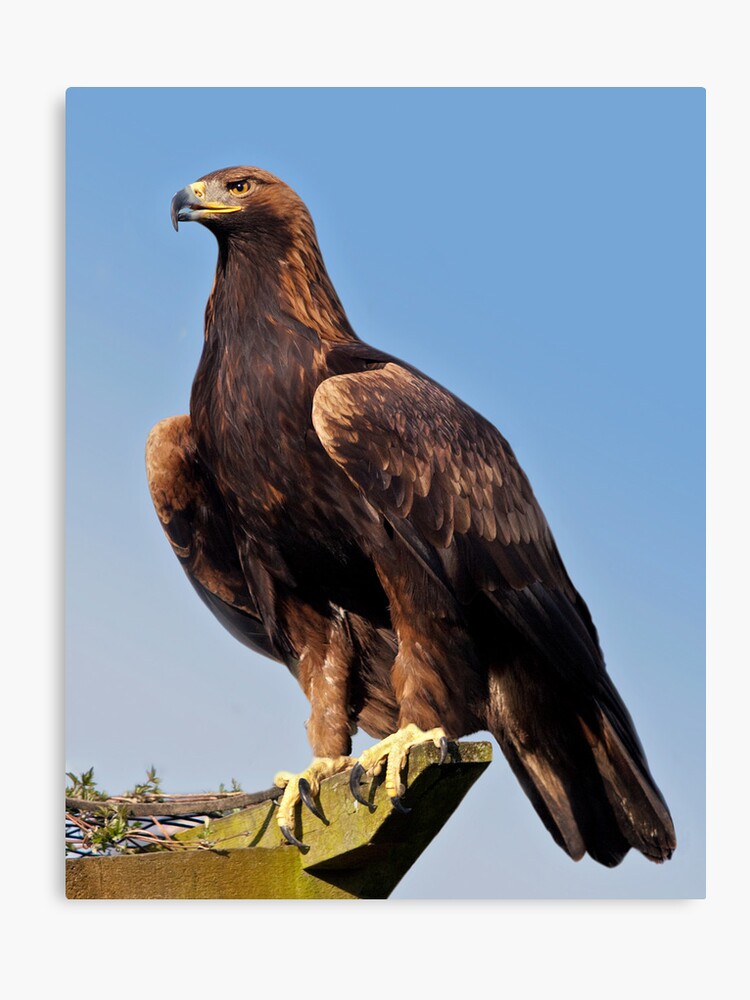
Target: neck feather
257	283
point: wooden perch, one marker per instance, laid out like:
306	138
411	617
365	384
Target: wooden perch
357	853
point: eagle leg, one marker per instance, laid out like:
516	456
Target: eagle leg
303	788
394	750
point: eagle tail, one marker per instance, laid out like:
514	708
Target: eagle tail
582	766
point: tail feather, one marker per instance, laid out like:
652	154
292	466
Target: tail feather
636	802
547	794
582	767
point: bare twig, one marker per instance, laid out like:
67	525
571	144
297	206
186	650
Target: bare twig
176	805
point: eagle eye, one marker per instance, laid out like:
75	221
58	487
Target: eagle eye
239	187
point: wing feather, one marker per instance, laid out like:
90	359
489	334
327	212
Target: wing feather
402	438
197	525
449	484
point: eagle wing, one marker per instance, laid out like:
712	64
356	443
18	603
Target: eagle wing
450	486
197	525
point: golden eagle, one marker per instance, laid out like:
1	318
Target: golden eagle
342	513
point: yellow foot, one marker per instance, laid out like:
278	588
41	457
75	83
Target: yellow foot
394	749
303	788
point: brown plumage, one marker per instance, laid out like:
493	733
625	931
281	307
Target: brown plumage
342	513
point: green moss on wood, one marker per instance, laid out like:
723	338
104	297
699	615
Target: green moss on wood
357	853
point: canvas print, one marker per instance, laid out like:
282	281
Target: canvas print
385	486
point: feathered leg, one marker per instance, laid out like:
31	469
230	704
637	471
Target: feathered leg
436	702
324	673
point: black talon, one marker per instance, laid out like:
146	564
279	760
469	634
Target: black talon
443	749
399	806
291	839
354	780
306	795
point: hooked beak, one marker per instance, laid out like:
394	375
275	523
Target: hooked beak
190	205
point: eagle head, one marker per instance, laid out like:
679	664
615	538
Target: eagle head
240	201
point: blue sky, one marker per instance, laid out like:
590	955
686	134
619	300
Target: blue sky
541	253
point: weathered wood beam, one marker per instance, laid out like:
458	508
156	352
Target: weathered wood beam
356	853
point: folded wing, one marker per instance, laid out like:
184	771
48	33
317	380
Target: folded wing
449	485
194	518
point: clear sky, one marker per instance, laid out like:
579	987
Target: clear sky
541	253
